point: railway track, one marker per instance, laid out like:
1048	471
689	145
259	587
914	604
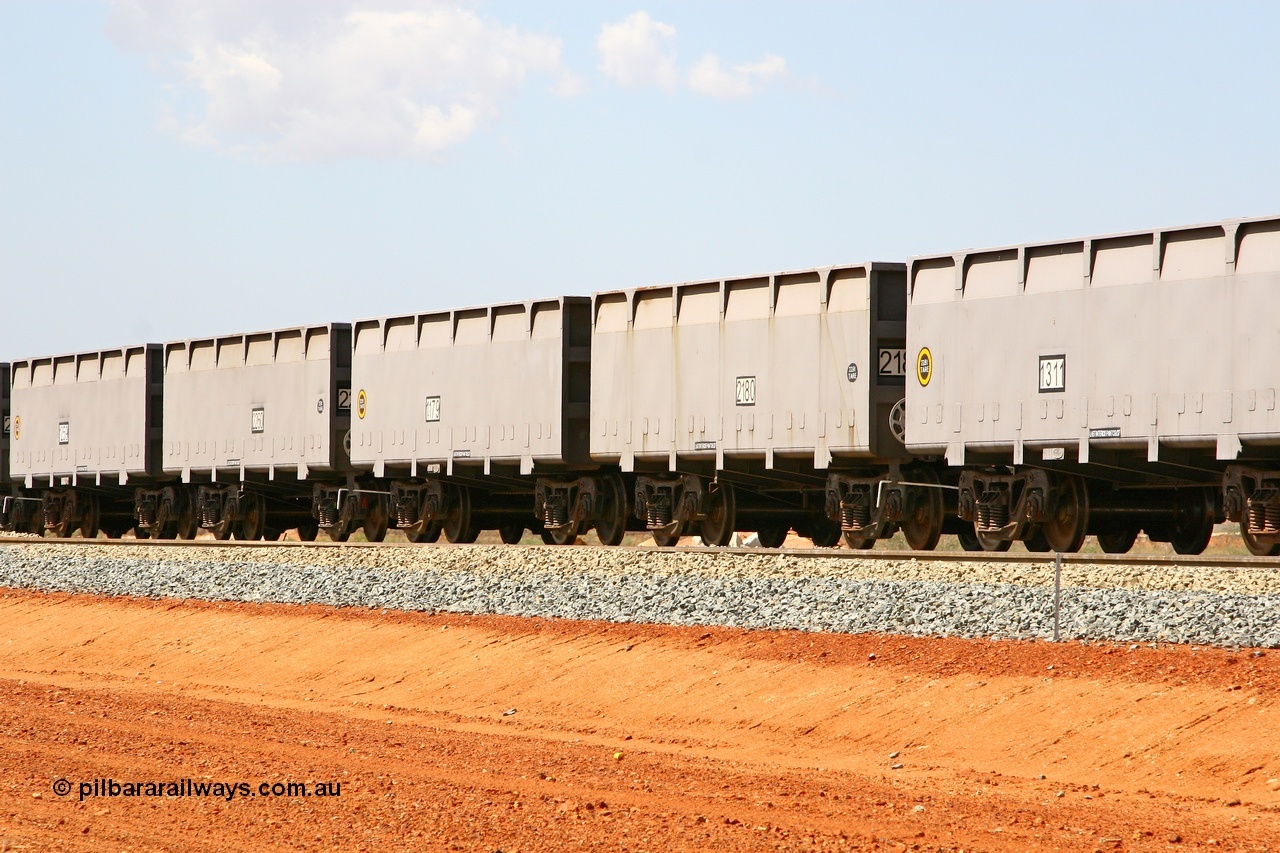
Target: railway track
1154	560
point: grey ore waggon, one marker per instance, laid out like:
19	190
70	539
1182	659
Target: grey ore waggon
1039	393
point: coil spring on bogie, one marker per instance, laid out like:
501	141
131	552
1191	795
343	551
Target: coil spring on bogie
992	516
658	512
147	513
1264	518
328	514
52	515
854	514
406	511
209	513
555	513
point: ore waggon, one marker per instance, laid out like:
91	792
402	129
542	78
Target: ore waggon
767	403
81	432
1105	385
476	418
1037	393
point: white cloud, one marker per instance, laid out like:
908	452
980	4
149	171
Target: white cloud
335	78
709	77
637	52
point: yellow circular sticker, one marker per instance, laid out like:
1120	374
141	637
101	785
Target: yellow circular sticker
924	366
17	426
362	404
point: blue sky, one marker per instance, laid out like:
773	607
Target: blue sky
231	166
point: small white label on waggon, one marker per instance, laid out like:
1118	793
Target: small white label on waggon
745	391
704	445
433	408
1054	454
1053	373
462	454
1105	432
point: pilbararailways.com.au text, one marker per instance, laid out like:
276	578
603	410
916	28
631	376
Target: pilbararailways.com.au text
195	788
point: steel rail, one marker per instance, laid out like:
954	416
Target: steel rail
1153	560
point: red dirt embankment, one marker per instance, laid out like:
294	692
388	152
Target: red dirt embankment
489	733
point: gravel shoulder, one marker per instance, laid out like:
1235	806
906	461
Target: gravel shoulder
1235	607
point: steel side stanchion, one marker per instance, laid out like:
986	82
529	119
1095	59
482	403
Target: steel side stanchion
1057	592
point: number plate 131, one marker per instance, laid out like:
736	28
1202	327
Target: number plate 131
1053	373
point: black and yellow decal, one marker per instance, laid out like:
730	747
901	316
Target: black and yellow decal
924	366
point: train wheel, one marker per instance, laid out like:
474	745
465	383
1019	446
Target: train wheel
991	543
424	531
187	523
773	537
668	540
307	529
253	522
164	526
859	544
35	522
1193	527
722	516
1118	541
1255	547
1065	529
923	528
511	534
458	525
69	521
823	532
566	535
612	524
1037	542
340	532
115	529
89	517
377	515
968	539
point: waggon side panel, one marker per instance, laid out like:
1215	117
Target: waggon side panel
756	366
632	374
470	384
263	401
1161	337
84	417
